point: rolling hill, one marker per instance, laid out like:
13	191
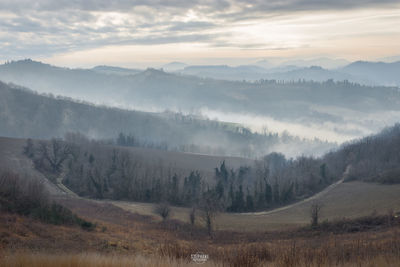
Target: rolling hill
375	72
24	113
342	109
362	72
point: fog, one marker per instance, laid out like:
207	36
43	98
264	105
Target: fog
204	115
354	124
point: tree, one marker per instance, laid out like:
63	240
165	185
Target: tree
275	192
249	201
174	189
222	173
322	169
192	187
315	213
268	192
192	215
209	207
287	192
239	204
54	154
163	209
121	140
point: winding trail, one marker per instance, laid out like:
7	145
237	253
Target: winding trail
66	190
314	197
63	188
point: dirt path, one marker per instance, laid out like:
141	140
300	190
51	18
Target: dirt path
63	188
124	204
312	198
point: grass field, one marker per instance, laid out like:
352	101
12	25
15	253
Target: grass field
380	249
348	200
100	260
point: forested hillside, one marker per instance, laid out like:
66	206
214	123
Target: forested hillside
374	158
95	170
24	113
338	107
92	169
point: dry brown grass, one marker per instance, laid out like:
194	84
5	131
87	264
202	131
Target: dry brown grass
131	240
345	250
88	260
348	200
364	250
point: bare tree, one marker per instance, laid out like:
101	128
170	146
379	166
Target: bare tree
315	213
54	154
192	215
163	209
209	207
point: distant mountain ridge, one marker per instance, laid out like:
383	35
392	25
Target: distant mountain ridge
225	72
115	70
367	73
174	66
377	72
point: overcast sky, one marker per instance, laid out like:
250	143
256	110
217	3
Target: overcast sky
140	33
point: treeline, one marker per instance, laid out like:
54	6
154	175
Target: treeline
245	143
273	181
92	169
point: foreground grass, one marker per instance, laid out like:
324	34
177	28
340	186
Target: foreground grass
369	249
329	245
23	259
86	260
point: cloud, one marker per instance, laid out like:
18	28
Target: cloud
207	5
191	25
68	25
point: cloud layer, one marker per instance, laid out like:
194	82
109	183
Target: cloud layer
44	28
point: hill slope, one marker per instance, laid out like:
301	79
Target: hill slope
24	113
377	72
299	107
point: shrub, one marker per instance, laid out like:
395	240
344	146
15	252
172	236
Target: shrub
31	199
164	210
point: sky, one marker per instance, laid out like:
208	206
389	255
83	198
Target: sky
142	33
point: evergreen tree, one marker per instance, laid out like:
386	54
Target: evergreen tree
249	201
268	193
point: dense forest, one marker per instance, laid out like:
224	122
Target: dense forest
375	158
24	113
93	169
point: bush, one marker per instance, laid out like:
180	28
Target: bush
31	199
164	210
390	177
